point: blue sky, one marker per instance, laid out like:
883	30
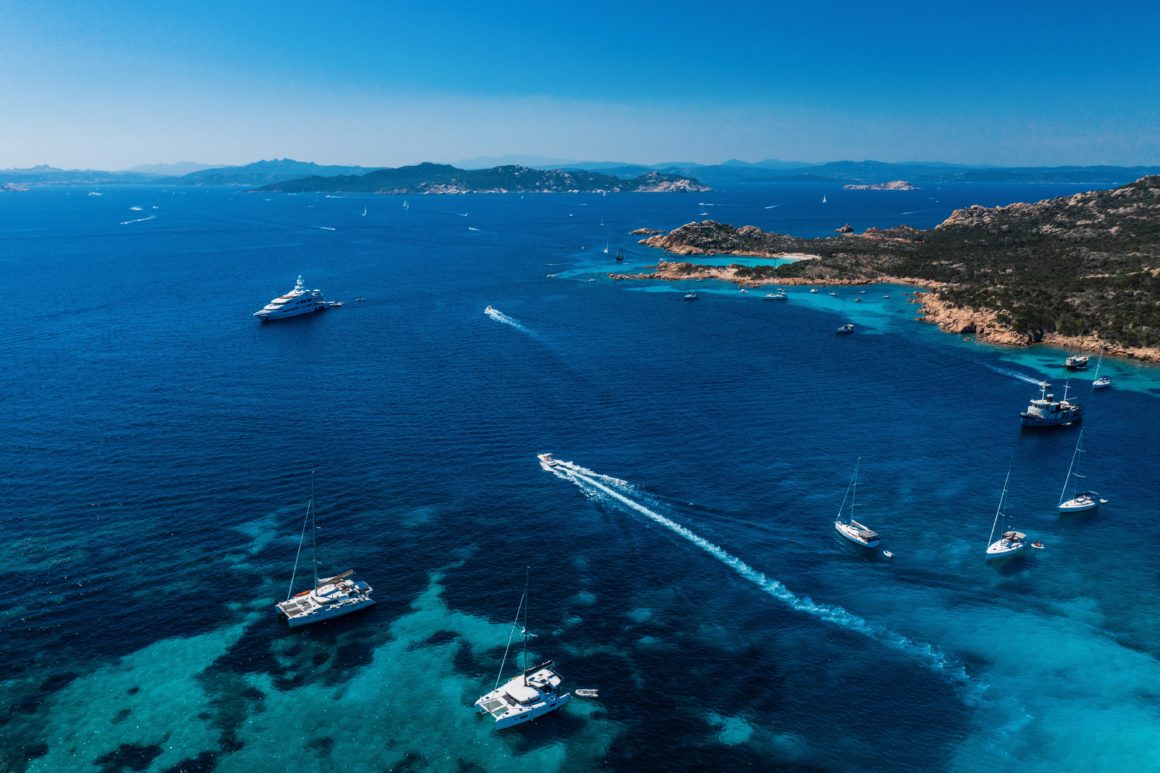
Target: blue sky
113	84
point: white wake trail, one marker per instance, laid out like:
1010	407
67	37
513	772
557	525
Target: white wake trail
139	220
1016	375
592	483
499	316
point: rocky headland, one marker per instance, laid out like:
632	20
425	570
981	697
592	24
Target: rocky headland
1082	271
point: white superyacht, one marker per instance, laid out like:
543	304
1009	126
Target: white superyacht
295	303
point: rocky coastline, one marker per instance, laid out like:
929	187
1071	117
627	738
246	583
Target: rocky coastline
1080	272
893	185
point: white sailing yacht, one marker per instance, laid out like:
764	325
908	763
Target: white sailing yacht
1100	382
534	693
860	534
329	597
1010	543
1080	500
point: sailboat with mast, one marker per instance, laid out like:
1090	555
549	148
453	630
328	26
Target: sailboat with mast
1100	382
860	534
534	693
1080	500
328	597
1011	543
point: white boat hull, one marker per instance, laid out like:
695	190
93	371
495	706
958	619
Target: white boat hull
1079	505
845	531
998	552
329	613
519	701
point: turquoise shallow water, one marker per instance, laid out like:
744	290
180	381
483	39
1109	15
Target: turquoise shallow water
684	563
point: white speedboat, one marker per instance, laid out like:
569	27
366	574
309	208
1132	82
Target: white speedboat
1080	501
534	693
776	295
1010	543
546	460
691	296
860	534
1046	411
328	597
845	329
295	303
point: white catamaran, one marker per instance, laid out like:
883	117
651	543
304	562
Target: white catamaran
1011	543
1080	500
859	534
329	596
534	693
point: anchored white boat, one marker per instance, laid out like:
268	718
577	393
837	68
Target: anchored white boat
329	597
846	329
1080	500
1046	411
1011	543
691	296
776	295
1076	362
534	693
295	303
1100	382
860	534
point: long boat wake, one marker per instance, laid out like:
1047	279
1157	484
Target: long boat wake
1016	375
605	488
499	316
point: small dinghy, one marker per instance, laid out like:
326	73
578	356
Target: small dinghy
1037	545
887	554
585	692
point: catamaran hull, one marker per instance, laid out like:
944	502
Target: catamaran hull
328	613
523	718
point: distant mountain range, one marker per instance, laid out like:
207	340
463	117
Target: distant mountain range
443	178
732	172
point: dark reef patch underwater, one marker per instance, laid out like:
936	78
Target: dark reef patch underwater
683	562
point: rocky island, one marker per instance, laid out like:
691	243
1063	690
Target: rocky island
444	179
893	185
1081	271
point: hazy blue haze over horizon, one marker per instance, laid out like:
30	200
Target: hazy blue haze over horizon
124	83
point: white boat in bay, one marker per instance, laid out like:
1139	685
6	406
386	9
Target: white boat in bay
1080	501
1100	382
776	295
328	597
1010	543
860	534
534	693
295	303
1076	362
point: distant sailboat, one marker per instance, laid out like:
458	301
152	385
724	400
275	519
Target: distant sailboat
406	205
1100	382
860	534
364	214
823	198
1012	542
1080	500
605	250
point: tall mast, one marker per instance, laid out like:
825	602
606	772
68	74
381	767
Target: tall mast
1074	458
313	530
999	509
854	487
527	577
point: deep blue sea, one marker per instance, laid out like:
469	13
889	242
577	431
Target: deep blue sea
158	445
